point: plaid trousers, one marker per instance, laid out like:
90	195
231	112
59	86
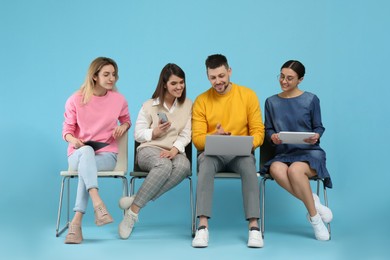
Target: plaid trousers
164	174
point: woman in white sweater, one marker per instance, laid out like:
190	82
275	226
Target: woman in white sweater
163	128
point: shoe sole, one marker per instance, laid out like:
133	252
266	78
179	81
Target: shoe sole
73	242
103	222
199	246
255	245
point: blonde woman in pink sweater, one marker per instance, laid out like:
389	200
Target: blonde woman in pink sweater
93	113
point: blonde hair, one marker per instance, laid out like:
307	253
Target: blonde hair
86	89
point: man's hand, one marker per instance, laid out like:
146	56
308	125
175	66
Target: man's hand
220	131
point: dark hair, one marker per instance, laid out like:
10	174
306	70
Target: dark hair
215	61
169	70
295	66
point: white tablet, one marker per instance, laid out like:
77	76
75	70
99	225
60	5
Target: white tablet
294	137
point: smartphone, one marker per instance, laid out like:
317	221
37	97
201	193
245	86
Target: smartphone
163	117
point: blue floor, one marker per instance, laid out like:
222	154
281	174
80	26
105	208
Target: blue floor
172	241
165	234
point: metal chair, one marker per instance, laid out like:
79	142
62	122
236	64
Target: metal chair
120	172
137	173
267	152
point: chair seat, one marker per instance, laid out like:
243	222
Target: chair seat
269	177
229	175
142	174
100	174
138	174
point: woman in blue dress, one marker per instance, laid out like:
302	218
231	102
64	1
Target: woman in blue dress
298	111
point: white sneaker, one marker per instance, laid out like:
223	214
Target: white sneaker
325	212
127	224
255	238
125	202
201	238
320	231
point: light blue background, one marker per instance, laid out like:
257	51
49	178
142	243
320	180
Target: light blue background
47	46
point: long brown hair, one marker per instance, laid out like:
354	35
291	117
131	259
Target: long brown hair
169	70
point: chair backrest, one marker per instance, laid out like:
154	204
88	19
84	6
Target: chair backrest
188	151
121	162
267	152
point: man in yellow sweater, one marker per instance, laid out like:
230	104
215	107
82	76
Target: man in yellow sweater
226	109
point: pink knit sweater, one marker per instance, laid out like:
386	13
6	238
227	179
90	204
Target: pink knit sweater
95	120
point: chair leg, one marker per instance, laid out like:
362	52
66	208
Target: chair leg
132	186
58	231
262	201
192	208
125	189
194	219
326	204
318	186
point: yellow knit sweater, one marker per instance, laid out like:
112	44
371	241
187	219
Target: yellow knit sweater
238	111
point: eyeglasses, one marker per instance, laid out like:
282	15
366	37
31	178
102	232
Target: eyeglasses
282	77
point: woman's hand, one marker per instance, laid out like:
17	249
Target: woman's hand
312	140
169	154
120	130
161	129
77	143
275	139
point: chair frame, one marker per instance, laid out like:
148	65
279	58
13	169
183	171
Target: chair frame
137	173
120	172
266	153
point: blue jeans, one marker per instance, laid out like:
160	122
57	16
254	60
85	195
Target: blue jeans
87	164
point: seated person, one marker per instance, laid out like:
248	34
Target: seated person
92	113
161	152
226	109
294	164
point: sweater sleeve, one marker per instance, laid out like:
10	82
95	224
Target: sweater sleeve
70	118
184	136
268	120
316	116
255	122
124	116
143	131
199	123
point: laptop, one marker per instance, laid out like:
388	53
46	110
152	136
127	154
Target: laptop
228	145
